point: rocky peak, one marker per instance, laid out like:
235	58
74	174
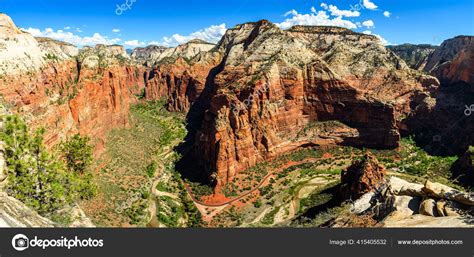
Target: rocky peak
103	56
147	55
116	50
452	61
246	33
19	51
361	177
7	27
190	49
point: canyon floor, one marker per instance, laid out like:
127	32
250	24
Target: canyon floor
140	186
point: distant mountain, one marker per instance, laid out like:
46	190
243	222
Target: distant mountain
414	55
153	54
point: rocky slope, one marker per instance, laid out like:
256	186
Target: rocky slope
55	85
14	213
415	56
269	85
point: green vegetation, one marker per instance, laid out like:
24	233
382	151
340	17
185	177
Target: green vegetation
142	94
150	169
269	218
37	177
136	159
317	198
78	154
200	190
178	212
417	165
137	212
322	217
51	57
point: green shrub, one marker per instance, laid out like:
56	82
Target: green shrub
151	168
257	204
36	177
77	153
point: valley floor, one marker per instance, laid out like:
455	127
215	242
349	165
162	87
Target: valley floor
139	186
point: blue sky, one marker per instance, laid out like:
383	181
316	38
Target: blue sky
156	21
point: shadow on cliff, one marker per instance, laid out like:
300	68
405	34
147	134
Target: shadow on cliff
189	166
446	129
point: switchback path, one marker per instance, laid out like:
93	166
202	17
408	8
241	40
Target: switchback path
190	192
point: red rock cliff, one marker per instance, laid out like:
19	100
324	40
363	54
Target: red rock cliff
267	91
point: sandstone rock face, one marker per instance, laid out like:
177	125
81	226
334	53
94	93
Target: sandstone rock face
19	51
453	61
402	187
147	55
14	213
182	82
56	50
441	191
423	221
264	85
415	56
361	177
68	91
428	207
413	205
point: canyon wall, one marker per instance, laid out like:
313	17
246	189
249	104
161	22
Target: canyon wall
263	91
54	85
443	123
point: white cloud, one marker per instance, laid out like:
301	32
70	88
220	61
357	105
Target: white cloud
369	5
69	37
67	28
115	30
292	12
368	23
210	34
134	43
382	40
324	6
344	13
320	18
313	10
79	30
387	14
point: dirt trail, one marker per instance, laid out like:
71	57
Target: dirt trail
287	165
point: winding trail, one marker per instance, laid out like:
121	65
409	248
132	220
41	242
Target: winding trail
287	165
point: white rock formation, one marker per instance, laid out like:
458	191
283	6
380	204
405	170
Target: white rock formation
19	51
153	54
